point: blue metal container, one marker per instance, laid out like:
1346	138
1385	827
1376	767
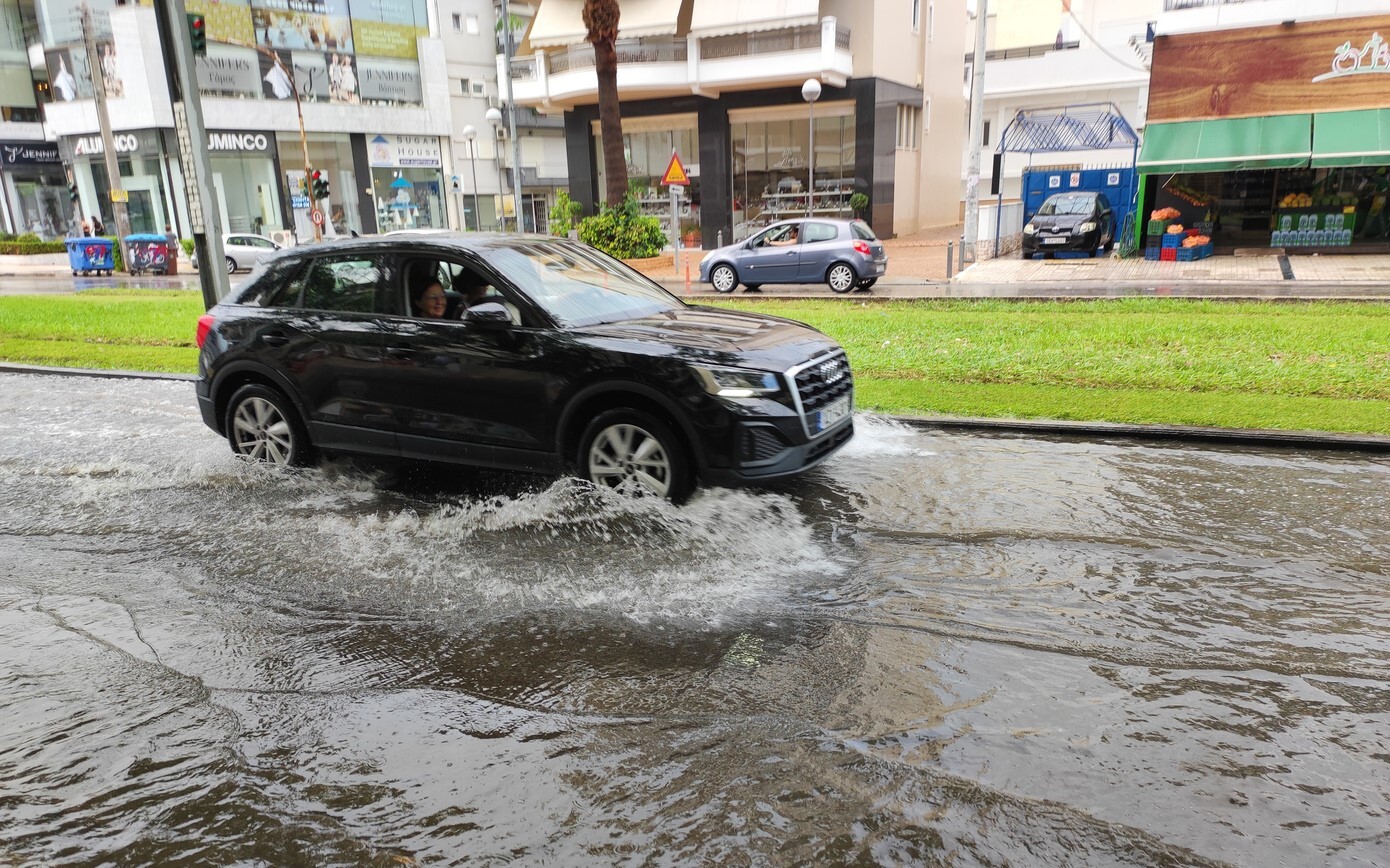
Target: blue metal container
87	255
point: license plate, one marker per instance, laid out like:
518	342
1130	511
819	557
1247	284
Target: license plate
878	269
1054	241
834	412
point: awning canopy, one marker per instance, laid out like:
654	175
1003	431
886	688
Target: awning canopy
722	17
1275	142
1357	138
561	22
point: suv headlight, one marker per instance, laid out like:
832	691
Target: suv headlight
1029	229
737	382
1083	228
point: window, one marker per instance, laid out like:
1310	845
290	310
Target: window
931	20
926	116
465	87
986	139
458	22
348	285
916	14
479	89
816	232
472	25
909	116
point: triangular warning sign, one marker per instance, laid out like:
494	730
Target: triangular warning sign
675	173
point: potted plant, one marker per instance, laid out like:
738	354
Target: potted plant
859	204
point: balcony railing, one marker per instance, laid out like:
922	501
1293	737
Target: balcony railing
524	69
1173	5
650	50
767	41
1023	51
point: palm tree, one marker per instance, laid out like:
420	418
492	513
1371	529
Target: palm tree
601	17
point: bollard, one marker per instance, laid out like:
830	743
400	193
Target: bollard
687	277
719	239
950	253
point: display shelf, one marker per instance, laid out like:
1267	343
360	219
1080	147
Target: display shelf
826	203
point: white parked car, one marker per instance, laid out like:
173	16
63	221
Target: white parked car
244	250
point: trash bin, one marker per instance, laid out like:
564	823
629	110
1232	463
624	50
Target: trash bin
148	252
89	255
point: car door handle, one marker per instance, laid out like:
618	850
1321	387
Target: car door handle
275	339
791	252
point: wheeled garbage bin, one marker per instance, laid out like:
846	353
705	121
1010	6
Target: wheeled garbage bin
148	252
87	255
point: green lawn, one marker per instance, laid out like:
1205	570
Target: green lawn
1299	366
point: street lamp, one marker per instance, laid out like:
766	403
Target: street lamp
810	91
494	117
469	134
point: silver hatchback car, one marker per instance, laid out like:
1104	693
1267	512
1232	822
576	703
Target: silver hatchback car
842	253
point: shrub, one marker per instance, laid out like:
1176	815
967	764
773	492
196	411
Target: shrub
187	244
6	236
858	203
623	232
31	248
563	214
29	238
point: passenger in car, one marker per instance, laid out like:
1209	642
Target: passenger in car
429	300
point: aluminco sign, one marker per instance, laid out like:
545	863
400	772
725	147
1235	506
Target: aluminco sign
238	142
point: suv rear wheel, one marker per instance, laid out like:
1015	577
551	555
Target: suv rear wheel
263	426
635	453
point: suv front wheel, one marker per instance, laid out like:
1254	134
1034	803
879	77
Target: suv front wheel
635	453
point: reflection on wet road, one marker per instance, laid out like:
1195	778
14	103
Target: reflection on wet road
939	648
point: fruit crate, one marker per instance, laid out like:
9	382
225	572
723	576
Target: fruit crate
1192	254
1172	241
1158	227
1153	253
1169	254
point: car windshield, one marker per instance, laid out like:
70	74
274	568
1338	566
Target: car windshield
1068	205
577	285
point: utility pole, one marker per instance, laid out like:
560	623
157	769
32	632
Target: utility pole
108	139
977	132
511	117
171	19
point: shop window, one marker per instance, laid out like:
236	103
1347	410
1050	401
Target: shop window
770	170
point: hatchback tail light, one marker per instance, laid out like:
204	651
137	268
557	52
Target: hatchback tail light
204	326
862	247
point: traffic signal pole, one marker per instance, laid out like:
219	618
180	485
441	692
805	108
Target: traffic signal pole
171	19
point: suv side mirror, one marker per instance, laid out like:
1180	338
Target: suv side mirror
489	316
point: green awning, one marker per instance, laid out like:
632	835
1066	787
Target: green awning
1360	138
1274	142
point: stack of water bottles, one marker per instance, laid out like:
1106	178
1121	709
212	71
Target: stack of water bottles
1313	230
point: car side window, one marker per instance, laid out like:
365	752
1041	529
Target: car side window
347	283
816	232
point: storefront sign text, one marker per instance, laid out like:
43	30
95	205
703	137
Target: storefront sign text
93	145
28	153
1373	57
388	81
390	151
252	142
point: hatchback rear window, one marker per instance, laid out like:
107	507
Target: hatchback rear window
862	231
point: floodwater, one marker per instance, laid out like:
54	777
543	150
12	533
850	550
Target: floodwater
937	649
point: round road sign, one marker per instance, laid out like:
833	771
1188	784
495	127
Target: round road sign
317	216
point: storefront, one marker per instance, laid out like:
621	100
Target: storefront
35	189
770	169
139	159
1231	147
407	182
648	143
330	154
244	180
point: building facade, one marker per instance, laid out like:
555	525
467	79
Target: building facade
1269	123
718	82
368	80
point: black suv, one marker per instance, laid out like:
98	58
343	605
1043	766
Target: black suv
550	357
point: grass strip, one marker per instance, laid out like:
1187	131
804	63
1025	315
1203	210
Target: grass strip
1319	366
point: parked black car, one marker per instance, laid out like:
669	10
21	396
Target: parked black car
571	362
1079	220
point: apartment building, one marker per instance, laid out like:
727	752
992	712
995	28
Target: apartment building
719	82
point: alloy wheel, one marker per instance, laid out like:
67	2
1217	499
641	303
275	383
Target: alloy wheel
261	432
630	460
840	278
231	265
723	278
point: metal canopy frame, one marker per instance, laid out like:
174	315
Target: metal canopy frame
1096	126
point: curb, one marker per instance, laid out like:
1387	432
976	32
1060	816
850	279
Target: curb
1185	433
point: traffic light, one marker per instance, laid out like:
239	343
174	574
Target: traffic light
320	185
198	34
72	192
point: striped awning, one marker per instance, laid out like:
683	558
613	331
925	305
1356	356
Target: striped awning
561	22
722	17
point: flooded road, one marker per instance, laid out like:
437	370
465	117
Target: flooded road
937	649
